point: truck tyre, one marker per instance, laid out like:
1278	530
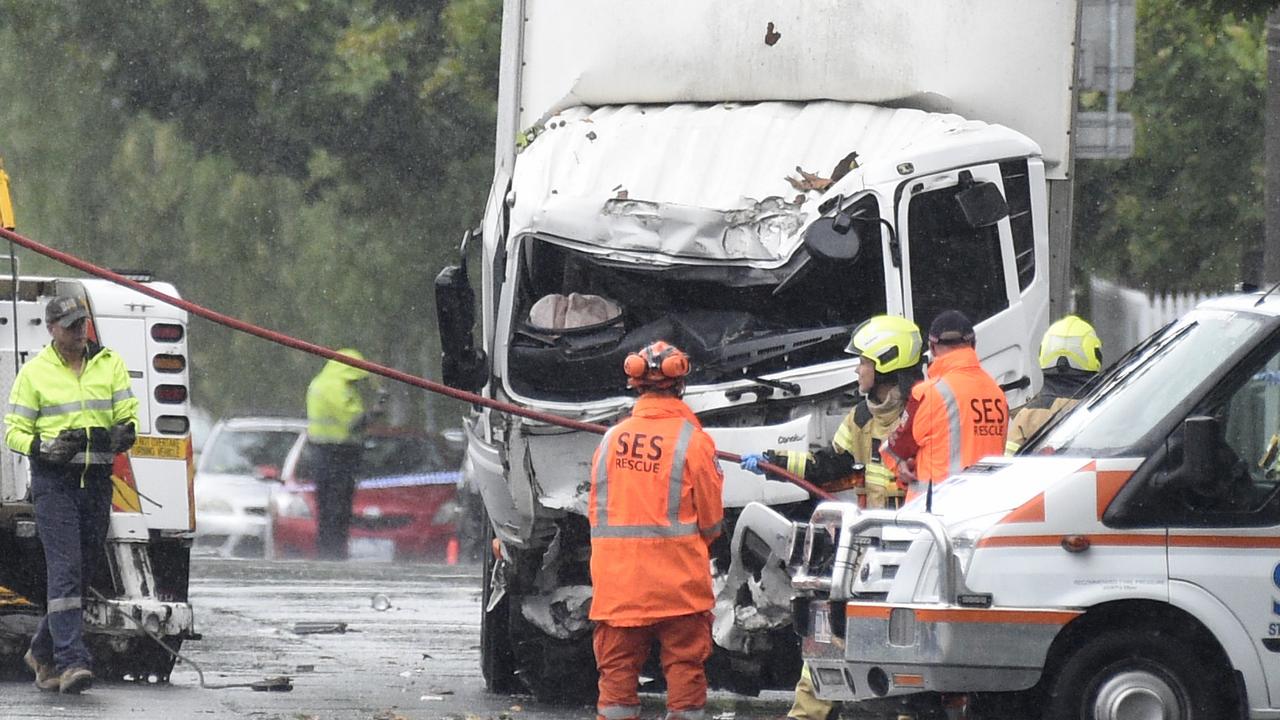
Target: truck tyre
1133	674
497	663
556	671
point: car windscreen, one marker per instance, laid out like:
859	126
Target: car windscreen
1139	393
238	452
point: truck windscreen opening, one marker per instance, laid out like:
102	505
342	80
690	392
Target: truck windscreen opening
735	321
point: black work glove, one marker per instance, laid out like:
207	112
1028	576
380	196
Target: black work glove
61	449
123	436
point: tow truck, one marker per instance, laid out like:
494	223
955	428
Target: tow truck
1125	564
142	592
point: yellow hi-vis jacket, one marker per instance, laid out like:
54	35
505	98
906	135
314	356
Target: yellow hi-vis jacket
334	405
48	397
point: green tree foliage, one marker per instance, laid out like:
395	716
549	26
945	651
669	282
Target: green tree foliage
307	165
1186	211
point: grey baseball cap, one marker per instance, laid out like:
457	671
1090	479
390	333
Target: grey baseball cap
65	310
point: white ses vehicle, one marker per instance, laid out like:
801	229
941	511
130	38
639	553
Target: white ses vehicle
240	465
1125	565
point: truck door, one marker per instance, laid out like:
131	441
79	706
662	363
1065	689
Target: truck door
948	264
1229	544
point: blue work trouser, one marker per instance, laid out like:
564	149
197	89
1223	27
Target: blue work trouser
335	468
72	523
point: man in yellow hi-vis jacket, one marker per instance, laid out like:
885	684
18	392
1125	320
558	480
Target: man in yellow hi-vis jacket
336	420
70	411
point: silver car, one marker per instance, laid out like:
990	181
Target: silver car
240	464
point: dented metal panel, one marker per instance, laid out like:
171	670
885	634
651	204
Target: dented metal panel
720	182
1002	61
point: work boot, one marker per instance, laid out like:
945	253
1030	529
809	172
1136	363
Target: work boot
46	675
74	680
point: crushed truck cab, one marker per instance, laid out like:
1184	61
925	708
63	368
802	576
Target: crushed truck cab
1127	561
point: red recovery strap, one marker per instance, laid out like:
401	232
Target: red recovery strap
392	373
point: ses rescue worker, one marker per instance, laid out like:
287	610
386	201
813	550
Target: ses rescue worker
956	417
71	410
1071	356
654	507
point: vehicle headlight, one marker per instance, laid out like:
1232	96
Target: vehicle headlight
446	514
215	506
291	506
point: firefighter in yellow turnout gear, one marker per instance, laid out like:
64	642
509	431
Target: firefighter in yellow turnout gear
889	348
70	411
1070	355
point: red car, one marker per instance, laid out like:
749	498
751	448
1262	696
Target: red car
405	505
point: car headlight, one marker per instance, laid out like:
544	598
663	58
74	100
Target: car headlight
446	514
215	506
291	506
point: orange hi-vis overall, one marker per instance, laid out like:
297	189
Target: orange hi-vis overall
953	419
655	506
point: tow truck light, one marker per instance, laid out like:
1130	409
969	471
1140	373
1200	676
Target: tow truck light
169	363
171	394
167	332
172	424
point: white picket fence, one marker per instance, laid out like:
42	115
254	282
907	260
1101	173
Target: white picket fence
1124	316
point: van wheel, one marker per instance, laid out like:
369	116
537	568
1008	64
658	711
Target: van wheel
497	662
1136	674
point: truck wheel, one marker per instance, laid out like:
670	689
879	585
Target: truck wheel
1135	674
561	672
497	662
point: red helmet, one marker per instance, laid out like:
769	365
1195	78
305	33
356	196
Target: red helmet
659	365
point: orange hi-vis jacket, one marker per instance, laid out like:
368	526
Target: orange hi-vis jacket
655	506
956	417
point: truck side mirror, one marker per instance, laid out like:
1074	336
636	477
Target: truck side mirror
982	205
1200	439
834	238
462	364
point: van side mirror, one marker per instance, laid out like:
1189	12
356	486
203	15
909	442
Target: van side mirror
1200	440
982	205
462	364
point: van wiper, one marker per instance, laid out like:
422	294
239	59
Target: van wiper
1155	344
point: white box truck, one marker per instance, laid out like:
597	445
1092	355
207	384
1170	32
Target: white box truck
748	181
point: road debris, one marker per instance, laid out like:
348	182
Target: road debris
319	628
380	602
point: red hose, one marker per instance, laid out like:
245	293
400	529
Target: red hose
372	367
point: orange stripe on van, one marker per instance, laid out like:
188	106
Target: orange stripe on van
1109	484
1053	540
1003	617
1243	542
1031	511
873	612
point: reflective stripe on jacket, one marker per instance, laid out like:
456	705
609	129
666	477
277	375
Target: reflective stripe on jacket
654	507
48	397
955	418
334	404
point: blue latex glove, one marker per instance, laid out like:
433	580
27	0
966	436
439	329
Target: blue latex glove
751	463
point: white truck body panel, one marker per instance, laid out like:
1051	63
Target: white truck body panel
957	56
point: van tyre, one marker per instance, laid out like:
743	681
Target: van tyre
1133	674
497	662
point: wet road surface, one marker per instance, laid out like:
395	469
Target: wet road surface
416	660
